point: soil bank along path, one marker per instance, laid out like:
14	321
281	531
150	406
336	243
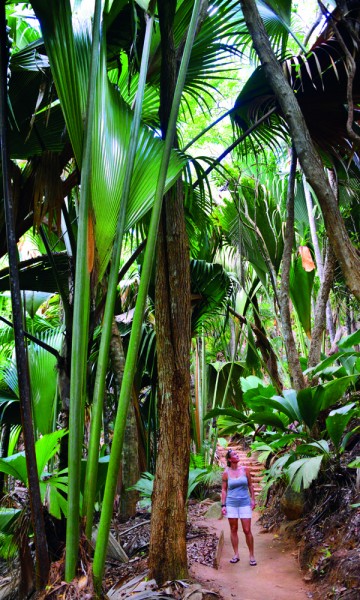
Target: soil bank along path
276	576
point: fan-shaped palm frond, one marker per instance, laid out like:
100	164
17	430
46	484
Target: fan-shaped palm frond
211	287
111	128
253	223
43	379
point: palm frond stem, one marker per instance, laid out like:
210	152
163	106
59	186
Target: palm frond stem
199	135
238	141
131	358
81	317
102	363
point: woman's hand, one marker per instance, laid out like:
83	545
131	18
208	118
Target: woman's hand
252	504
223	510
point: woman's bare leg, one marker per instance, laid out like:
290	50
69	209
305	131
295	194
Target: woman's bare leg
246	526
234	536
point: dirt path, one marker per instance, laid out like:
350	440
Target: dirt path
276	576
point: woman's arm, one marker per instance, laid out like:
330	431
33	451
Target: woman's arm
251	487
224	487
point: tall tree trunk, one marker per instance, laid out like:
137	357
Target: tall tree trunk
4	445
37	517
295	370
265	347
320	308
167	554
344	251
318	257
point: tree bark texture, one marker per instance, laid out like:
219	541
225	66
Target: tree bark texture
296	374
167	552
344	251
167	557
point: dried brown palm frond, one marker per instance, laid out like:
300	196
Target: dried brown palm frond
320	80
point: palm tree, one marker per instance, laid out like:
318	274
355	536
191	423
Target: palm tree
108	134
315	80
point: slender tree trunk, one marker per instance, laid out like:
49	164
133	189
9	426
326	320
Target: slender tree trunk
37	517
265	347
167	557
344	251
295	370
167	554
318	257
129	470
320	308
5	437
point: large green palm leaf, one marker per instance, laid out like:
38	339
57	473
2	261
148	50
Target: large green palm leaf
43	378
221	34
68	46
252	222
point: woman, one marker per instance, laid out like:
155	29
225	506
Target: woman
237	502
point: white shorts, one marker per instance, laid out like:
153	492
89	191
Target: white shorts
238	512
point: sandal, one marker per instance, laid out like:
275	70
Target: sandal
235	559
252	562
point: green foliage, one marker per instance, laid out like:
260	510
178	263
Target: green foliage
337	422
212	285
145	484
45	448
252	222
43	378
293	416
301	285
304	471
355	464
217	379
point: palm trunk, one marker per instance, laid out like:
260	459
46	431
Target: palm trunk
42	557
320	308
167	551
296	374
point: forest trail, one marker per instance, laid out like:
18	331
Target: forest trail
276	576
